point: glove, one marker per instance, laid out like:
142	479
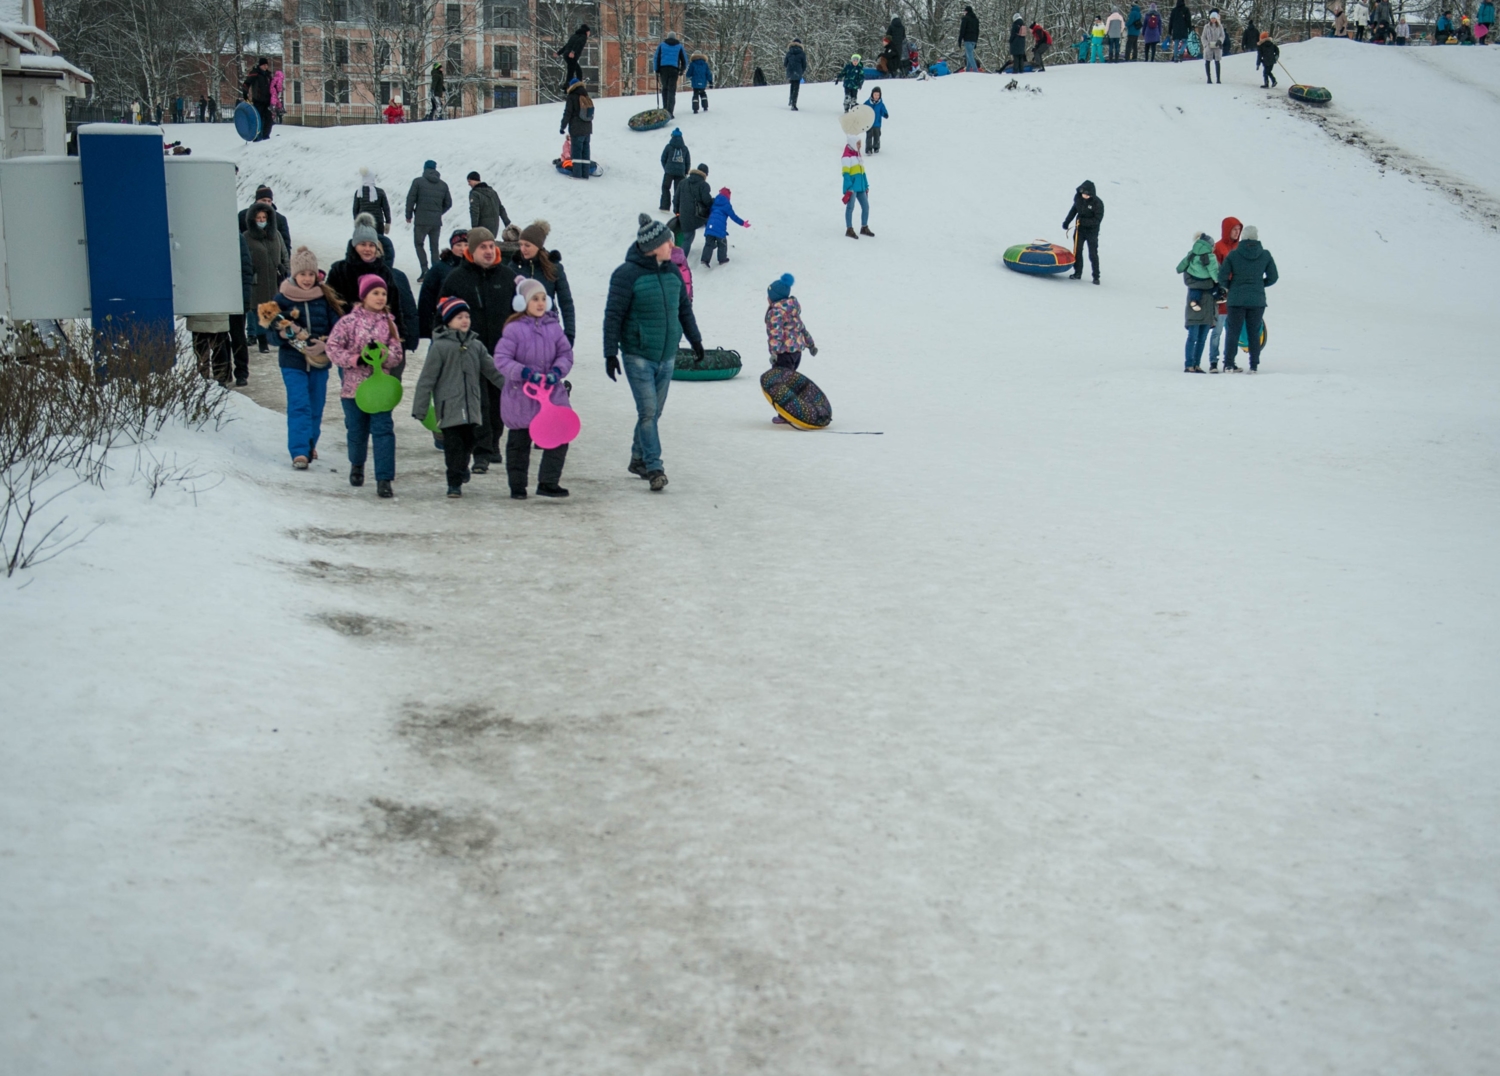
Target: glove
845	198
1064	227
553	377
698	351
611	366
811	350
745	224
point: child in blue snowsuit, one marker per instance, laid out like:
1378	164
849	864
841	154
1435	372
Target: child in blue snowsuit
877	105
702	78
716	232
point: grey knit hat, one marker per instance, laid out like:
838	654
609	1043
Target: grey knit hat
364	230
1250	232
653	233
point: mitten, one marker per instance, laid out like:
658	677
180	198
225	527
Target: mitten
526	374
552	377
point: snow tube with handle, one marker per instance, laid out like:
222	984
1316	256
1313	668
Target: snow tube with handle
1245	336
246	121
595	170
650	120
719	364
1309	95
1039	258
796	398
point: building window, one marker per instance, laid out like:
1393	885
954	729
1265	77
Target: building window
383	54
653	26
335	52
506	57
385	93
336	91
296	52
455	65
339	9
455	17
630	67
502	18
297	92
627	26
506	97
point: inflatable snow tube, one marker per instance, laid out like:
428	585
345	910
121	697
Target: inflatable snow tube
719	364
650	120
594	169
1039	258
1245	337
857	120
246	121
796	398
1310	95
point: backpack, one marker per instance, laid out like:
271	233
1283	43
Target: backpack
677	156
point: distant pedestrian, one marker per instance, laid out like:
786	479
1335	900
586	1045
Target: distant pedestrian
876	104
1213	46
572	55
1134	22
795	64
578	124
1151	32
370	197
716	231
852	77
692	203
668	62
1088	211
676	162
968	37
856	189
257	88
1179	26
485	208
1247	272
1041	41
1018	45
435	88
426	201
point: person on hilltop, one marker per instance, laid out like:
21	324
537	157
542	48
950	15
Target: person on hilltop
487	285
370	322
1267	53
393	112
1213	46
314	308
716	232
485	208
1114	30
668	62
896	31
852	76
1179	25
257	89
1134	22
1041	41
856	189
532	261
1096	42
1251	36
572	55
676	163
1088	210
432	285
1484	16
533	349
968	37
700	77
1359	18
876	104
692	203
427	199
1229	238
1151	32
646	314
457	366
1246	273
369	197
1018	45
578	124
435	108
270	257
795	64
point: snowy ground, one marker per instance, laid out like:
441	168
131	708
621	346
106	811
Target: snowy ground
1093	718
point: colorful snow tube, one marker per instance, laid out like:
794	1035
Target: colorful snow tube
796	398
1310	95
719	364
650	120
594	169
1039	258
1245	336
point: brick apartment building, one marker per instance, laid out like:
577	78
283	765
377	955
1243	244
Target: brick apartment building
345	59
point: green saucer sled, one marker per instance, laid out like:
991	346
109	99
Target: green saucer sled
380	392
719	364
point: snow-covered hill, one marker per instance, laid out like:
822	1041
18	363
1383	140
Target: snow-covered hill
1090	718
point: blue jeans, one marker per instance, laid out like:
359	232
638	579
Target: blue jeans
1197	336
1214	337
863	198
649	382
969	64
362	429
306	391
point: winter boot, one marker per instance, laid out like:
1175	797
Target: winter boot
300	463
864	229
518	494
637	468
480	467
1213	367
658	481
455	491
851	233
1206	74
356	476
550	489
1217	79
1231	368
383	488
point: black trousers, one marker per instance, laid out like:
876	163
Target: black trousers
583	165
1091	240
668	76
518	461
700	95
1132	45
239	345
796	86
487	430
574	71
1037	54
1249	318
266	122
669	189
872	140
715	242
1150	52
787	360
458	447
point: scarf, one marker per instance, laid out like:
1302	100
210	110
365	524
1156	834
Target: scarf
297	294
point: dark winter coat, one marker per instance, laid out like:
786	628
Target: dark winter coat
1267	53
647	310
379	207
968	27
247	271
1250	36
700	77
1180	22
1089	211
343	278
853	77
281	225
270	258
1247	272
432	288
795	63
428	199
558	288
456	364
670	56
675	158
437	81
693	202
488	292
896	31
406	313
1018	38
578	114
486	209
258	86
1205	314
317	316
575	45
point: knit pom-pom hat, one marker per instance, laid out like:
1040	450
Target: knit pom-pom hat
365	231
450	307
536	233
652	234
303	261
781	287
525	289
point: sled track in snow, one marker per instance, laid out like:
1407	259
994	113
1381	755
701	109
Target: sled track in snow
1387	156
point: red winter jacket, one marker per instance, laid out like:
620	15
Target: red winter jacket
1225	244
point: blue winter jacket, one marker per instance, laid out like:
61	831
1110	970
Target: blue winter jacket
314	315
1486	13
669	56
878	107
1134	21
720	216
699	74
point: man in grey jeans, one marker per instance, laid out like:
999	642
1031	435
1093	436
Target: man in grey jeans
426	202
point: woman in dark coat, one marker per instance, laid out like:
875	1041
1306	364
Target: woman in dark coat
269	256
1179	25
533	261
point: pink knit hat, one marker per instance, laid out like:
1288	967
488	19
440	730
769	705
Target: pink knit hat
368	282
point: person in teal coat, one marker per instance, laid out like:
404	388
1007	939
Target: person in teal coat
1247	271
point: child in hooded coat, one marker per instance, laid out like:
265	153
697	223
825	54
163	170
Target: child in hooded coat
876	102
716	231
369	322
450	384
1200	269
701	77
532	348
786	336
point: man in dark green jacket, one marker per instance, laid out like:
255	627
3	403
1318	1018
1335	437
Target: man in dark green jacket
1248	270
645	316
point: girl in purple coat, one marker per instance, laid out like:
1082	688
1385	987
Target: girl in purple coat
534	348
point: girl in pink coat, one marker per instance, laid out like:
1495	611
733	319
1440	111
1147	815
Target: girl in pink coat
534	348
369	322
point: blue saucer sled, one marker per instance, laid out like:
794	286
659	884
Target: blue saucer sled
594	169
246	121
1039	258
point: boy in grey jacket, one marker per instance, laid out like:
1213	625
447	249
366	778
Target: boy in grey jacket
450	383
